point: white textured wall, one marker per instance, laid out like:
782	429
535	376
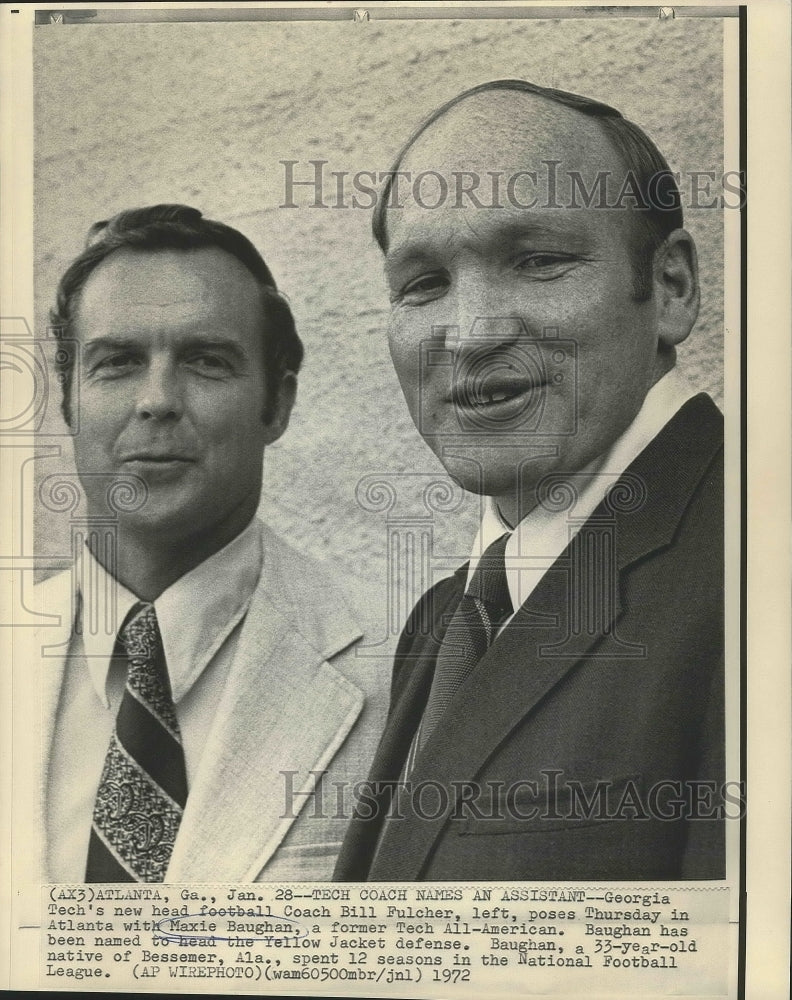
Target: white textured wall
136	114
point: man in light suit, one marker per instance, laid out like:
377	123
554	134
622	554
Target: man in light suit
197	676
556	705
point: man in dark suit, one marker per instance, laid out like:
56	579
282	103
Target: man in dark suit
557	704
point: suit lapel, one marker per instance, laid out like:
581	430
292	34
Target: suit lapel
509	680
531	657
670	469
409	699
415	681
284	709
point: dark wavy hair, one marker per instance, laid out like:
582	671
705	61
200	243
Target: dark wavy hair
174	227
659	206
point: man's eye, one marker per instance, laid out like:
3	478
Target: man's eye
546	262
209	364
422	289
114	365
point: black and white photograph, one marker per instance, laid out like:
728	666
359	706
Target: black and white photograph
380	442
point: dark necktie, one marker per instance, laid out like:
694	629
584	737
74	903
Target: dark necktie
485	605
143	788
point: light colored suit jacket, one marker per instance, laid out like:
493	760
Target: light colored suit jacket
298	699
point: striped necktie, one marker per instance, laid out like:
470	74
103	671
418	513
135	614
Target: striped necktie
143	788
485	605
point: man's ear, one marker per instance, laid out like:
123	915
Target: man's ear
676	287
281	409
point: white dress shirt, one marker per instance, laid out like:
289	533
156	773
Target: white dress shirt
540	538
199	622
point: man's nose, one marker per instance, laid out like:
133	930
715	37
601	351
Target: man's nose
160	395
480	316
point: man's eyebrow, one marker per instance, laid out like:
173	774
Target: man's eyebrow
94	344
562	225
408	254
187	343
212	344
416	251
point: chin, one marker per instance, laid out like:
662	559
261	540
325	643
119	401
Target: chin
493	471
473	474
170	524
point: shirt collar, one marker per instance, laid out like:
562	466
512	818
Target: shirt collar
543	534
195	614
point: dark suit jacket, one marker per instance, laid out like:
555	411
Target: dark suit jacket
589	740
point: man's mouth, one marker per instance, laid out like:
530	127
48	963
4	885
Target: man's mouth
481	393
488	397
158	457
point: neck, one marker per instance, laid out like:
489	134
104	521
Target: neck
518	502
148	563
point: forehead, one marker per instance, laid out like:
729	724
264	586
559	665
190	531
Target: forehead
517	130
164	289
511	149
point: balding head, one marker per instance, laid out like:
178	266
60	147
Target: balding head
547	148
